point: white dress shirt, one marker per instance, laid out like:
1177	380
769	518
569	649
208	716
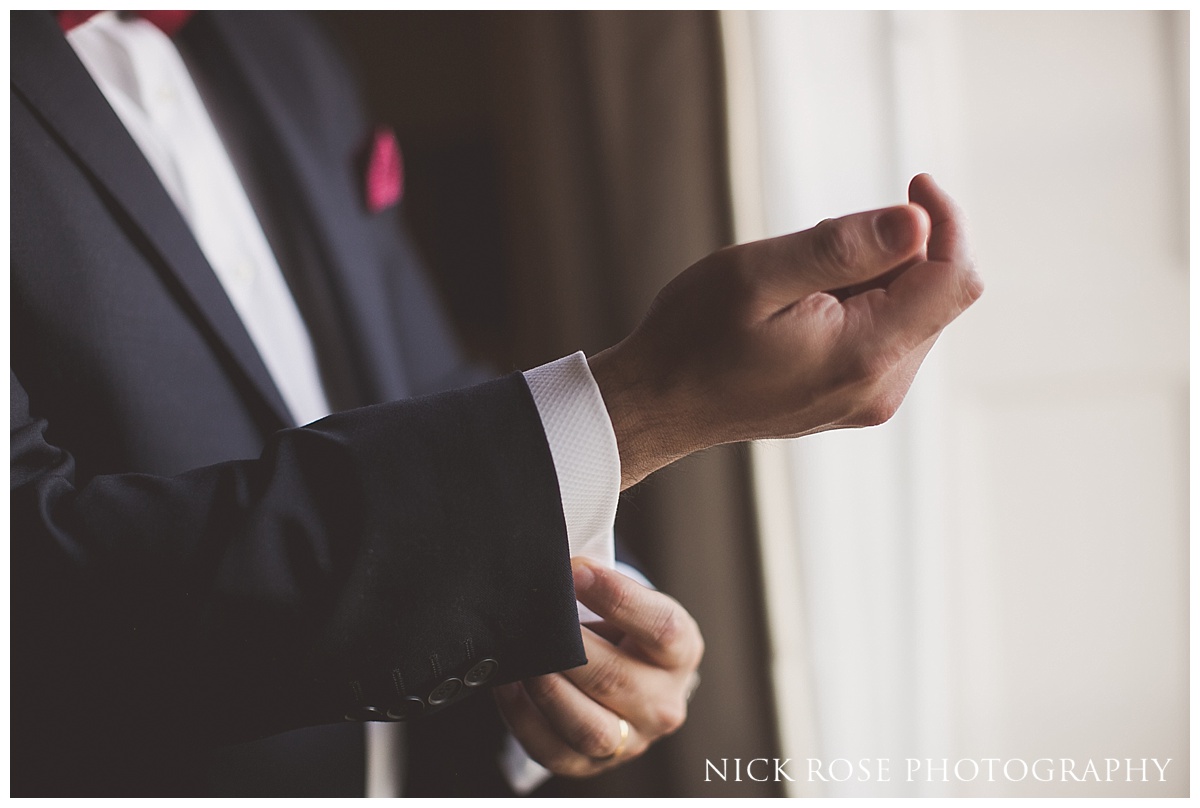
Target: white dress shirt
146	82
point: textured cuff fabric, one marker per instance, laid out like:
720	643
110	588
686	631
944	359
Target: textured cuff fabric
584	450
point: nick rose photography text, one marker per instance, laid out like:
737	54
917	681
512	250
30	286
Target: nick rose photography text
938	770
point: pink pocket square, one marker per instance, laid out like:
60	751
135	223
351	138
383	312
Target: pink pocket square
385	171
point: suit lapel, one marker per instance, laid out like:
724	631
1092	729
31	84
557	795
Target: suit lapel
50	78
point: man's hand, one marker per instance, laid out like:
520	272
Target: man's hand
816	330
642	673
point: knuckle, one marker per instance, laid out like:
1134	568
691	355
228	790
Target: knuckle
971	288
742	284
620	596
668	627
541	688
864	366
561	762
691	643
874	415
593	739
835	245
881	409
670	715
608	681
733	261
676	633
698	648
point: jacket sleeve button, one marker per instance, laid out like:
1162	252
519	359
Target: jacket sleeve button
481	672
445	691
365	714
409	708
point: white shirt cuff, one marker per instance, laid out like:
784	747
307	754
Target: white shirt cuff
584	449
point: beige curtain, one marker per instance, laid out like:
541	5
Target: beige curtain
606	134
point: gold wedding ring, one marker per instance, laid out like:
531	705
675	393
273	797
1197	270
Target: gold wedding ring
623	726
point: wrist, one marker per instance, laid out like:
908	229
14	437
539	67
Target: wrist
651	427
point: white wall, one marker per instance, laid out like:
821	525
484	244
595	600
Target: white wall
1002	571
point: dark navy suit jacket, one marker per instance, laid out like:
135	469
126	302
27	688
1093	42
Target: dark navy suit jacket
188	569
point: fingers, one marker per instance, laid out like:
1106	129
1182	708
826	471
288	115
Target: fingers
540	720
879	282
626	697
534	732
923	301
663	631
842	252
653	699
586	726
926	297
948	235
606	630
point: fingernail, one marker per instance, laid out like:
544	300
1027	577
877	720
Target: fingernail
584	576
893	228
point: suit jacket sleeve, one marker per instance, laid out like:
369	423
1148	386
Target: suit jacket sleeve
360	561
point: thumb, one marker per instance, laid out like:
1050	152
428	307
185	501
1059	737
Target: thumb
843	252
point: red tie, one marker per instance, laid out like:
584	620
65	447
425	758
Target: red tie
168	22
